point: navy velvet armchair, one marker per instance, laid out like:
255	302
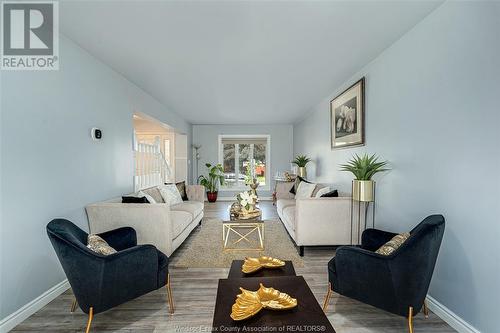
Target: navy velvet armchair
397	283
101	282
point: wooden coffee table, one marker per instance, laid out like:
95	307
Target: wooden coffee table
235	271
306	317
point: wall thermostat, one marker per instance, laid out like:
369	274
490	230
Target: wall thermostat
96	133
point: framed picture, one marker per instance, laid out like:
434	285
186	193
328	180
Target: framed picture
347	112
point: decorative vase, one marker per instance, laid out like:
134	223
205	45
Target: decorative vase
254	186
212	196
303	172
363	190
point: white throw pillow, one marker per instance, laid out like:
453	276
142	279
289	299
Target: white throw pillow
141	194
305	190
322	191
170	194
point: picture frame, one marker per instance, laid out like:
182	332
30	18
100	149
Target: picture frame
347	117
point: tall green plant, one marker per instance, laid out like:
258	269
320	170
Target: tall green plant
364	167
214	178
301	160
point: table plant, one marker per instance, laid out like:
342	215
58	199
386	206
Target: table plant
301	161
364	168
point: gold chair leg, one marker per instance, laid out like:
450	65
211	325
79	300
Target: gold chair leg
169	296
73	305
91	315
327	297
410	319
426	309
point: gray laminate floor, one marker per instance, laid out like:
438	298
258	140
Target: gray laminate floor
194	292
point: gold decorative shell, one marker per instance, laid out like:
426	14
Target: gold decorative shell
249	303
251	265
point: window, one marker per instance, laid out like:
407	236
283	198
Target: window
244	157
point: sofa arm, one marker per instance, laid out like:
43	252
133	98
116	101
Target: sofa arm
323	221
363	274
152	222
283	190
195	193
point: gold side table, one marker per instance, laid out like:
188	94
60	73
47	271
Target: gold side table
243	229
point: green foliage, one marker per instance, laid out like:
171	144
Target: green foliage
364	167
214	178
301	160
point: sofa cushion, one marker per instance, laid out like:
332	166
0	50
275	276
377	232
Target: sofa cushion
393	244
99	245
192	207
132	199
170	194
331	194
289	216
283	203
295	186
181	186
180	221
154	193
305	190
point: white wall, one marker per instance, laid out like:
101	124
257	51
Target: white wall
432	110
51	168
281	147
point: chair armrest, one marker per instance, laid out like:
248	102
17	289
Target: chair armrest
363	275
126	275
372	239
195	193
121	238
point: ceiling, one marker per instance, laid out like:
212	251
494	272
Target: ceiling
239	62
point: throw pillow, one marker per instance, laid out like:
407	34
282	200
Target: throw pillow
305	190
149	197
322	191
298	180
181	186
393	244
154	193
98	245
331	194
170	194
134	200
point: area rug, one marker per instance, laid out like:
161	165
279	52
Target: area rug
203	249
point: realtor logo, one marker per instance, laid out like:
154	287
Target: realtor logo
30	36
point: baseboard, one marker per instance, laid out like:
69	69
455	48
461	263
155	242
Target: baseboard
14	319
450	317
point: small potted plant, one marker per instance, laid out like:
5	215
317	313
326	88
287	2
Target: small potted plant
301	161
212	182
363	168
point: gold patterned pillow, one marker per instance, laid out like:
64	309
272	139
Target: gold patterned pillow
99	245
393	244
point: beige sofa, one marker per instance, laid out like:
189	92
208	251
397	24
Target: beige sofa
158	224
315	221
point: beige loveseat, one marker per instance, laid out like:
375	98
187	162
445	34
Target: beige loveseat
158	224
315	221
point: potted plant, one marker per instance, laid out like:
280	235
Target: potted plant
301	161
363	168
212	182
